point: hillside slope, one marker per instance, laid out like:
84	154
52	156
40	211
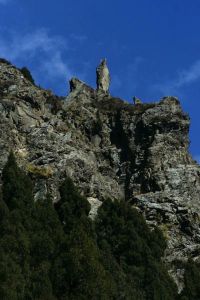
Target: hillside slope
109	148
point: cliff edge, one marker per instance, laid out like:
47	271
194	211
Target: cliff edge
111	149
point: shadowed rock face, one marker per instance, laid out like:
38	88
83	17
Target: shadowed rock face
110	149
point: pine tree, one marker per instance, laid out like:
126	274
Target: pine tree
191	290
72	207
56	252
17	186
79	268
136	249
14	242
46	238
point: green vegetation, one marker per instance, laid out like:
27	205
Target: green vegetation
116	105
27	74
55	252
124	233
5	61
39	171
192	282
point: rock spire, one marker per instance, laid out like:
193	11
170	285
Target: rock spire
103	77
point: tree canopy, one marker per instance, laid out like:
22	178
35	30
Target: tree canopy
56	252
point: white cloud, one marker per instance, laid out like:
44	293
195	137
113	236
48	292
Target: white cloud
183	78
55	67
45	51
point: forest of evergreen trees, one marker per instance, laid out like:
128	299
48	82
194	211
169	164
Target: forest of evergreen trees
50	252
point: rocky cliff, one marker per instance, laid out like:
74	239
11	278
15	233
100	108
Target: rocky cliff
110	148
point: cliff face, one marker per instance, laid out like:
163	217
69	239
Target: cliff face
110	148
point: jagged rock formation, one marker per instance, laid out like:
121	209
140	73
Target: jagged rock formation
103	77
110	148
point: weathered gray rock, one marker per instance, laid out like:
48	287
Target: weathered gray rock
103	77
137	153
95	204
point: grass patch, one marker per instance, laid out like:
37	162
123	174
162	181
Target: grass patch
40	171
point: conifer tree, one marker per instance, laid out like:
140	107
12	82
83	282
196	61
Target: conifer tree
14	242
83	275
17	186
72	207
56	252
46	239
122	229
191	289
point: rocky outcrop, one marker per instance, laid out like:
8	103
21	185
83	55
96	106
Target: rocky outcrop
110	148
103	77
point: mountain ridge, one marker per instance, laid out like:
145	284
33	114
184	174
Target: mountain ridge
111	149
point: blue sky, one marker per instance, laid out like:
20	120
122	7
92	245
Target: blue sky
152	47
